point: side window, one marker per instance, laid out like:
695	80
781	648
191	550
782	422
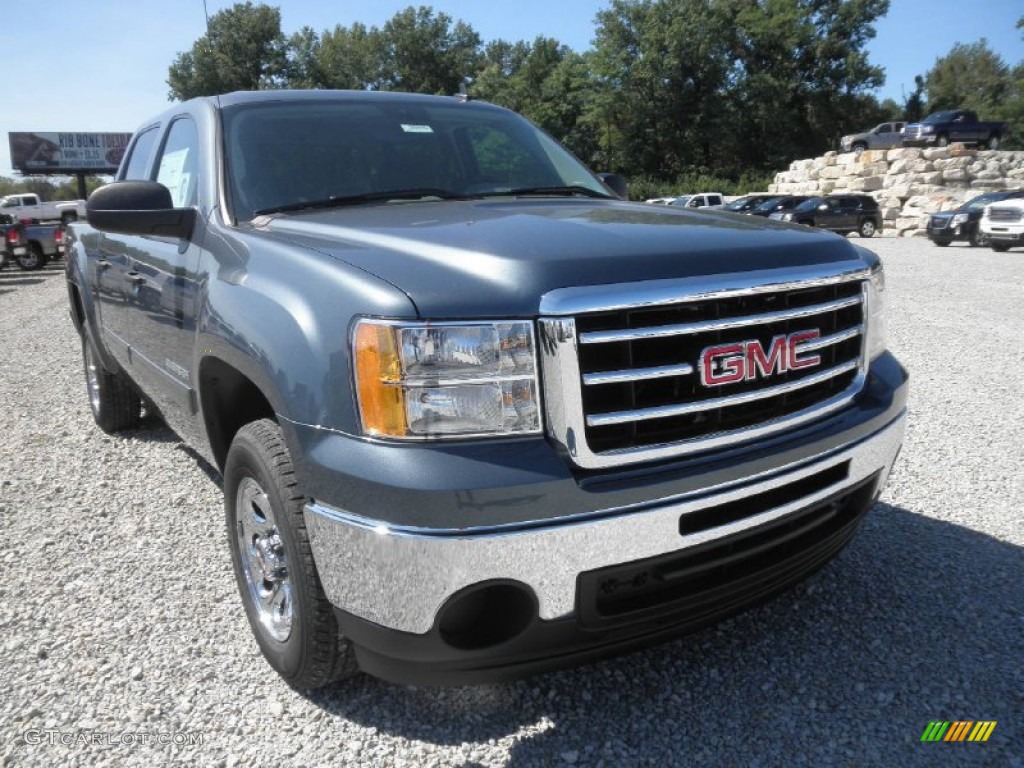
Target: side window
138	160
178	169
885	128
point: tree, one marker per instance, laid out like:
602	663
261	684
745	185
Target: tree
727	85
426	53
913	105
804	74
970	76
345	57
544	80
243	50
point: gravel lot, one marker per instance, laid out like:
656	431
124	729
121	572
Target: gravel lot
122	624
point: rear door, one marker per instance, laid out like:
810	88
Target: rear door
110	263
846	214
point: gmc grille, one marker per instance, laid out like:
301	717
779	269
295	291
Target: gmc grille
639	369
1005	214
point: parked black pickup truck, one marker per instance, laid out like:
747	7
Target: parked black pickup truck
940	129
477	416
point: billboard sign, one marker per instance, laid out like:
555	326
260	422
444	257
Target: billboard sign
99	153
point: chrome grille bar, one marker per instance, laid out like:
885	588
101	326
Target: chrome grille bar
828	341
637	374
681	409
681	329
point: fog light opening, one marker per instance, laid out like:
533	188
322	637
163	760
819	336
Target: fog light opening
487	614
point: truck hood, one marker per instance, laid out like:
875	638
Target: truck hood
498	257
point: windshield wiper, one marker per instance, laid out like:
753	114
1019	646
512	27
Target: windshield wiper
370	197
576	189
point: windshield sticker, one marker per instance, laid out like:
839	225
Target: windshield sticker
409	128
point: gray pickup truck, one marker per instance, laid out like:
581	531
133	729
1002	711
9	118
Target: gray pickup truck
477	416
882	136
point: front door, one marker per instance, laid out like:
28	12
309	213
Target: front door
162	274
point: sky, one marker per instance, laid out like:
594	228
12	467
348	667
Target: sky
102	66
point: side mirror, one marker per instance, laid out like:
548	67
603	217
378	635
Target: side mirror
616	184
138	208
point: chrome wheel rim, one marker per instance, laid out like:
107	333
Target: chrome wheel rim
263	559
92	380
867	228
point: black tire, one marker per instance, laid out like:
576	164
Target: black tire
307	650
942	140
33	258
978	239
999	247
993	141
113	398
867	228
942	243
859	147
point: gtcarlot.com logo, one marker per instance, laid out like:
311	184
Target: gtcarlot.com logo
102	738
958	730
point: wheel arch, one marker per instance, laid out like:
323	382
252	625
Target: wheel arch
228	399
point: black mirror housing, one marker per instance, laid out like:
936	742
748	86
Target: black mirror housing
616	184
138	208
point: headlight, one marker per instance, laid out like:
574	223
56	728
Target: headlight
926	129
421	380
960	218
786	217
876	312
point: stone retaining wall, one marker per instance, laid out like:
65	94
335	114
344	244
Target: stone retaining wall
908	183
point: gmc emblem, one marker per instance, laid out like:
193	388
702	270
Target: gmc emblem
746	360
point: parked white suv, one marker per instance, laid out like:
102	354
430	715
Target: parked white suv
1003	224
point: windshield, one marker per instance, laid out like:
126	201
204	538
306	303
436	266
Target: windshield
980	202
939	117
768	204
290	154
809	205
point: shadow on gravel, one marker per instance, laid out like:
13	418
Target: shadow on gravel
28	277
152	429
917	620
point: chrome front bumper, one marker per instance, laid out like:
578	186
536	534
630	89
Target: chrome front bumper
399	577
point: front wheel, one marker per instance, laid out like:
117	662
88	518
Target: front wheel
32	259
858	149
943	140
942	243
978	239
999	247
284	600
113	399
993	142
867	228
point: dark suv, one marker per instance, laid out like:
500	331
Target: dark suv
840	213
962	224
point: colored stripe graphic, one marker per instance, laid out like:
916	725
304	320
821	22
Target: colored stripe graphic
958	730
935	730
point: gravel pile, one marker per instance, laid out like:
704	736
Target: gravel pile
124	642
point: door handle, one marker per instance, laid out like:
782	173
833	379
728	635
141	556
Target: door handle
135	277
